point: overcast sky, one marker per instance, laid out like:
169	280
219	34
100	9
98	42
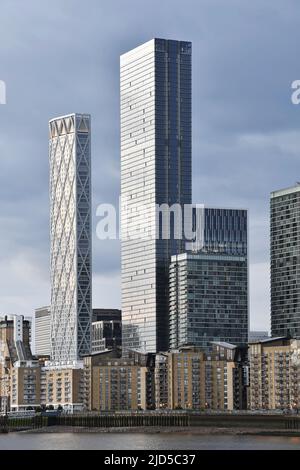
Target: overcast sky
60	57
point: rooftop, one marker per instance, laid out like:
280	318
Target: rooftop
223	344
286	191
270	340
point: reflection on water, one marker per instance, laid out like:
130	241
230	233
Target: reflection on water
164	441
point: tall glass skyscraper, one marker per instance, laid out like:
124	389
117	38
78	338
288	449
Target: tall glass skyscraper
70	225
285	262
156	164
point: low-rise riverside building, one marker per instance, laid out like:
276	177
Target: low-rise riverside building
161	380
182	379
186	379
274	374
189	379
62	387
229	375
25	385
114	383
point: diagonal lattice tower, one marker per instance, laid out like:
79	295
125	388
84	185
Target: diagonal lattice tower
70	233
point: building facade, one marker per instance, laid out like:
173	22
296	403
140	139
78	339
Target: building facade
156	159
42	331
219	230
70	225
285	262
106	314
186	379
62	387
106	335
19	371
15	338
227	377
196	381
25	385
274	374
208	297
161	378
183	379
106	329
114	384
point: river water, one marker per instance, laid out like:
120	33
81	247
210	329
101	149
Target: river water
140	441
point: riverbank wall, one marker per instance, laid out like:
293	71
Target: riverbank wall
153	420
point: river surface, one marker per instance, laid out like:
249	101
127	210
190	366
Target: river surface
140	441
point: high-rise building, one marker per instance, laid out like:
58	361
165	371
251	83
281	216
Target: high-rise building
285	262
70	224
208	299
156	161
106	314
208	286
106	330
106	335
42	331
219	230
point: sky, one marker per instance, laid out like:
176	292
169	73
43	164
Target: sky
61	57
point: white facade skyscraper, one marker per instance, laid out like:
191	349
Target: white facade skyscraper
42	331
156	160
70	226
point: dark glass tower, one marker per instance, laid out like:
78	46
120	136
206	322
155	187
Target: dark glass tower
156	160
285	262
220	230
209	284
